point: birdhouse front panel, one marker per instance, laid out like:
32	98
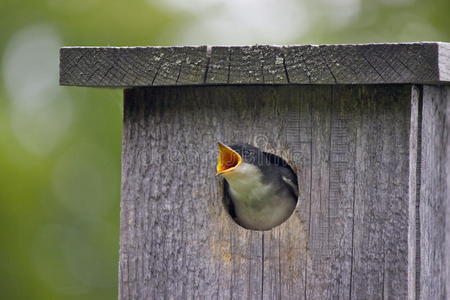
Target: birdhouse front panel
348	236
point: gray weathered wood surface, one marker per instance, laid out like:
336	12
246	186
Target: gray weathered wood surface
348	238
415	153
434	208
427	62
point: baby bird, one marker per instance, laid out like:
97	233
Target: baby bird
261	189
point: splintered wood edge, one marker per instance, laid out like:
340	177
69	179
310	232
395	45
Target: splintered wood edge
415	63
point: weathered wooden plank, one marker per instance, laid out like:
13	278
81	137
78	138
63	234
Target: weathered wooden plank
333	135
132	66
426	62
306	64
434	209
246	65
319	226
415	137
345	115
444	62
219	66
285	247
379	63
380	239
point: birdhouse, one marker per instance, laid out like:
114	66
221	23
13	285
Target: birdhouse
365	128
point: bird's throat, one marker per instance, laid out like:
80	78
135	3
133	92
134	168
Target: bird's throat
246	183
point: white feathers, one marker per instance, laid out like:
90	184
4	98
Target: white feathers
245	183
257	204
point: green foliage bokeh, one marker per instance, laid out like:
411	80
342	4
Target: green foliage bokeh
60	146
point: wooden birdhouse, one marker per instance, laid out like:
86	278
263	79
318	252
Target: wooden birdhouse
365	127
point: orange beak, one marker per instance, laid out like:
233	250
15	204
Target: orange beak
228	159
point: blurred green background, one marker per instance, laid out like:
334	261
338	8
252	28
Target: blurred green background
60	146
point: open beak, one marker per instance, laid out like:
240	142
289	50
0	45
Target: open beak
228	159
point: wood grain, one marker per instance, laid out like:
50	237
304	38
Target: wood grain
434	209
247	65
132	66
348	237
444	61
425	62
415	158
380	240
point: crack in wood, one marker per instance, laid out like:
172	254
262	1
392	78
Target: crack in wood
208	61
418	193
285	69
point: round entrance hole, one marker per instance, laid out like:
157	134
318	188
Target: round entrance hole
260	188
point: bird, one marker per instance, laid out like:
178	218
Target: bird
260	188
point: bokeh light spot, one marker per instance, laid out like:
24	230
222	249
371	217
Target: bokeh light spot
41	111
